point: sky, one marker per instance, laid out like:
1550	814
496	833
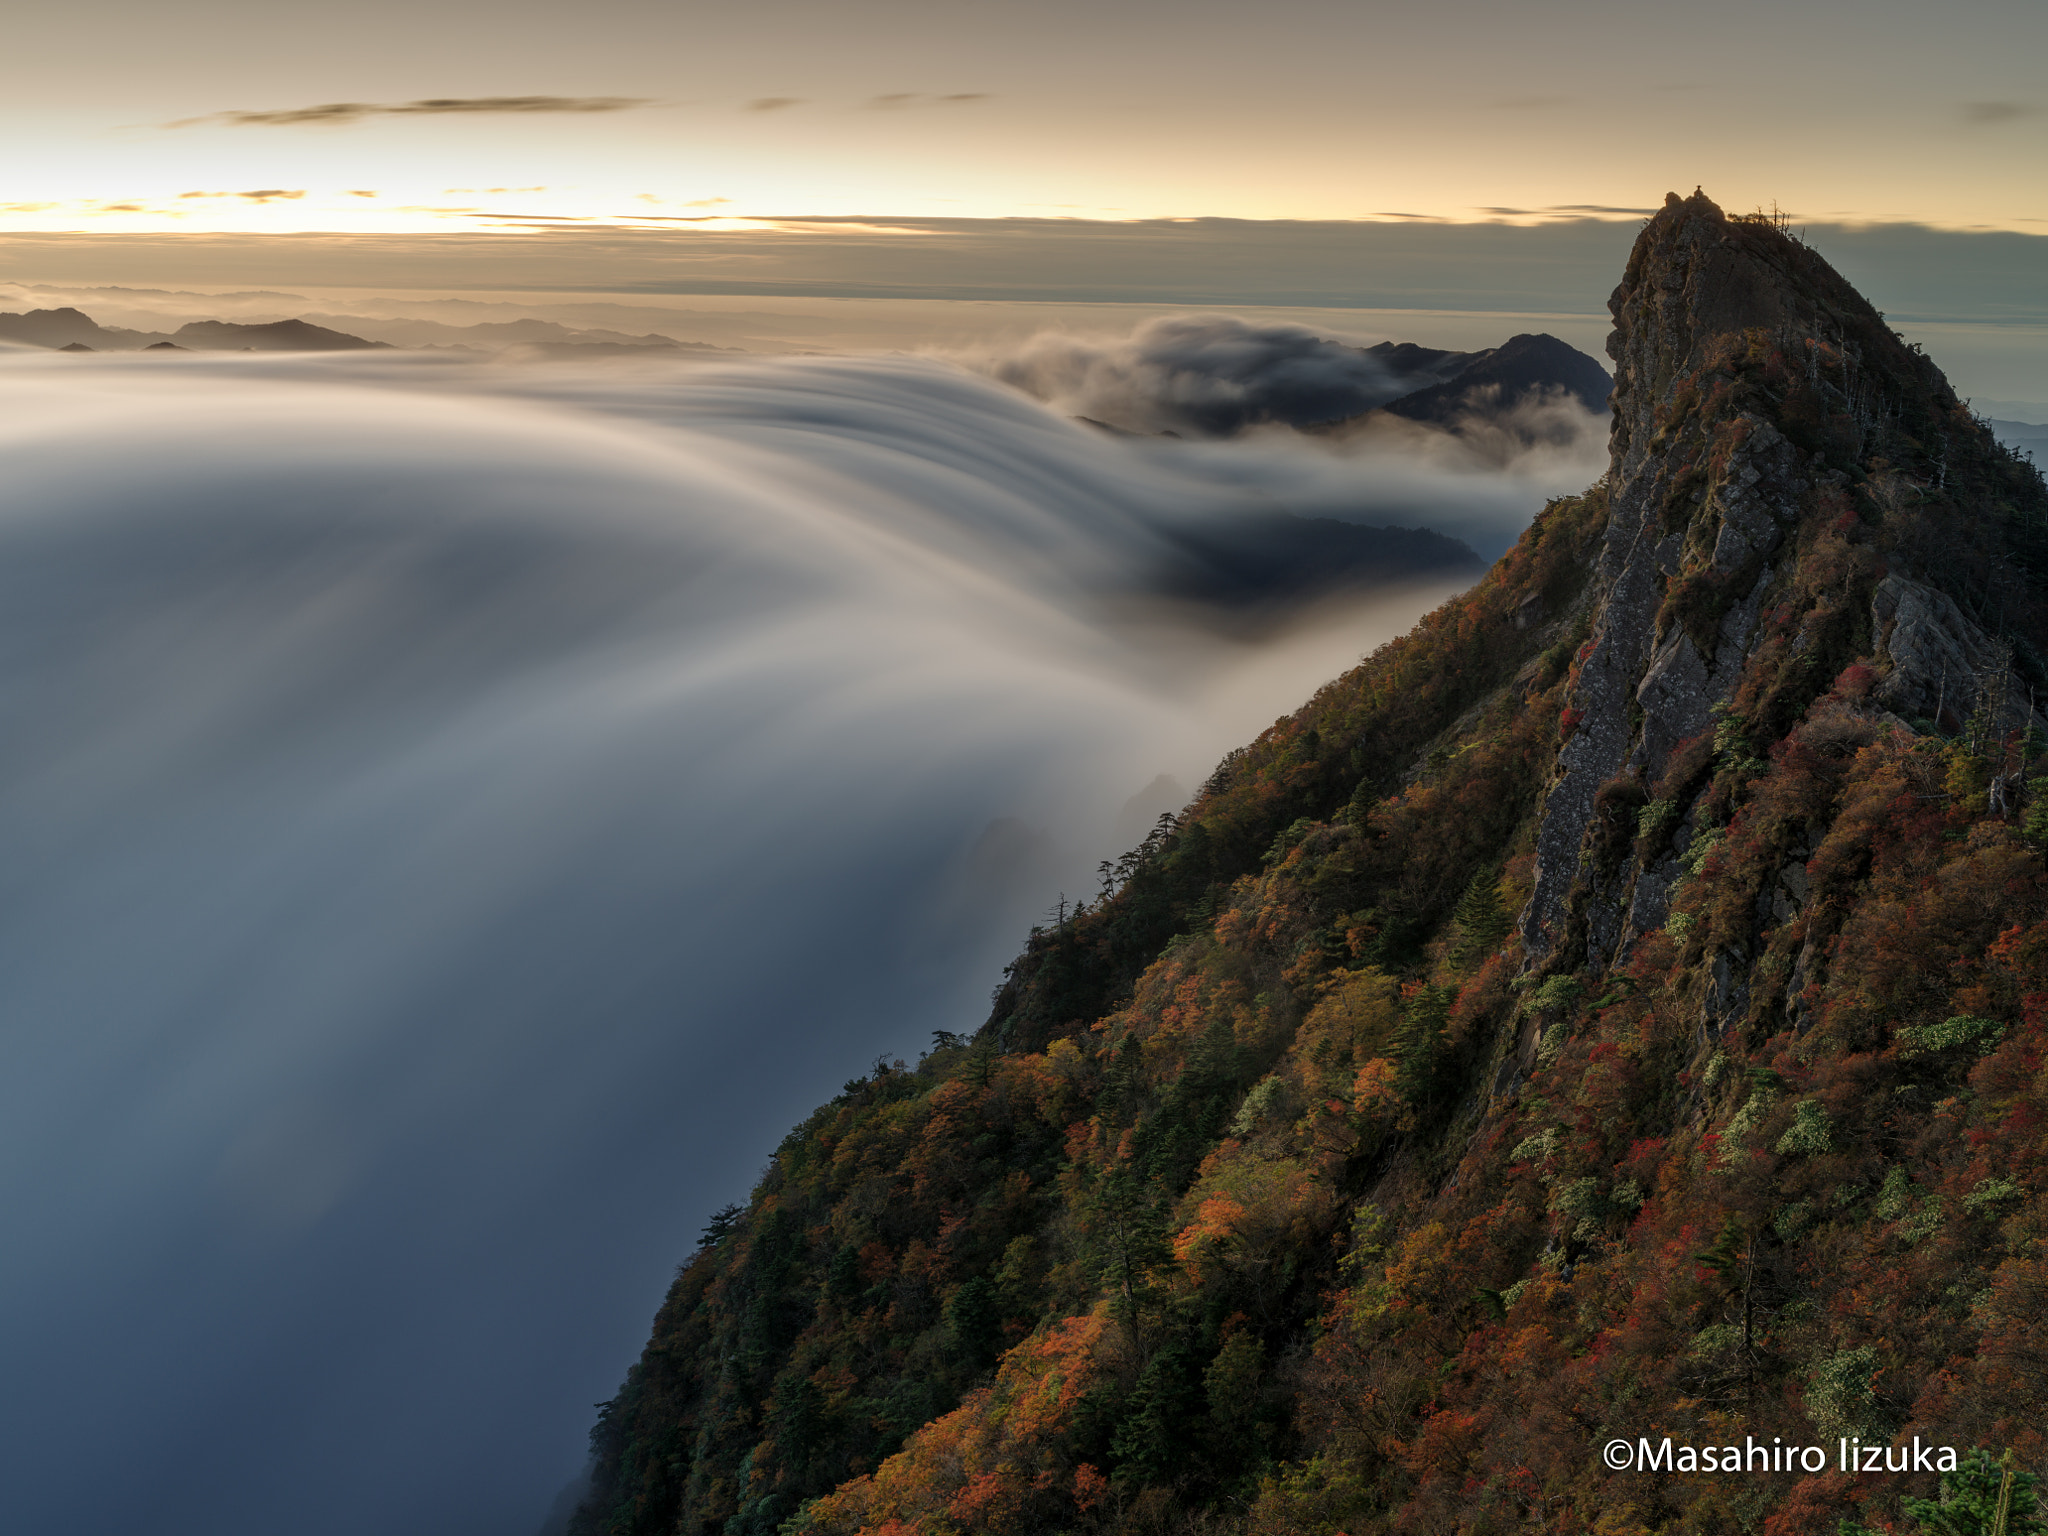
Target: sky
388	117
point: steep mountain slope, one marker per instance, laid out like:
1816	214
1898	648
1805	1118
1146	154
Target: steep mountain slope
1295	1185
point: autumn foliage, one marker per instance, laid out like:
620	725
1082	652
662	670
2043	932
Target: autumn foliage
1281	1194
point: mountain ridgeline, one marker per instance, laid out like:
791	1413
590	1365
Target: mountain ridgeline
1615	1009
1521	371
71	330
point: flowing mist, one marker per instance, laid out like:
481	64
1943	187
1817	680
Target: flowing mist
453	818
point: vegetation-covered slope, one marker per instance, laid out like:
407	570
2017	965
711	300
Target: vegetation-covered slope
1290	1188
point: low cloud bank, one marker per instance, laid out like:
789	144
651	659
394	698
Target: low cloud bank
458	817
1201	375
1292	419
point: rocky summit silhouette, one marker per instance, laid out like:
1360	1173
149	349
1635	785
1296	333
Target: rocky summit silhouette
1598	1035
1520	370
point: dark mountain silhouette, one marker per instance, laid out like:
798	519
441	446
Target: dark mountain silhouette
1419	366
1497	389
67	328
58	328
1613	1011
544	338
275	336
1521	369
61	328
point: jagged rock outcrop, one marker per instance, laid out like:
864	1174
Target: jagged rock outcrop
1943	666
1757	397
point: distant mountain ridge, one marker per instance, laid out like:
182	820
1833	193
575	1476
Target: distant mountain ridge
1502	388
1522	369
275	336
70	329
2028	437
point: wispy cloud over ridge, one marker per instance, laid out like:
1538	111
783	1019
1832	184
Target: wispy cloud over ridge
337	112
1201	375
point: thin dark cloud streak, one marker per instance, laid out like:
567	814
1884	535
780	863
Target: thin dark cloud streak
1994	114
335	113
1564	210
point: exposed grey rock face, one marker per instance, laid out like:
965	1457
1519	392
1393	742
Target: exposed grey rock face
1943	667
1680	687
1706	502
1650	901
1727	991
1643	690
1755	496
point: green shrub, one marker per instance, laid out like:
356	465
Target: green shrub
1808	1132
1949	1034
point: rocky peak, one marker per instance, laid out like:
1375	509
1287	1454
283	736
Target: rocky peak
1792	488
1520	370
1697	276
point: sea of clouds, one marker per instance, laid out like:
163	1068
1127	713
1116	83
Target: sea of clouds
454	818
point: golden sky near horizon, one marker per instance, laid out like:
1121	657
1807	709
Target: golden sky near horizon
228	115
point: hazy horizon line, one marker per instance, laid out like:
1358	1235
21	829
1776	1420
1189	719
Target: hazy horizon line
1567	267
